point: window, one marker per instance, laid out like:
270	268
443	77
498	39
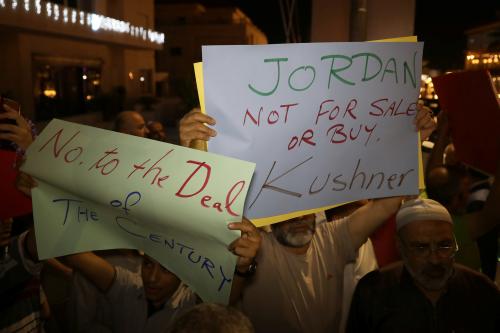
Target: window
65	89
146	81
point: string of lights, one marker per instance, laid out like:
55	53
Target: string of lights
95	22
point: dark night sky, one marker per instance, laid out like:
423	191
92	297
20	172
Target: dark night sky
439	23
442	28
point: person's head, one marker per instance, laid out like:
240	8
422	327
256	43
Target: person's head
212	318
296	232
426	242
449	185
157	131
131	122
159	283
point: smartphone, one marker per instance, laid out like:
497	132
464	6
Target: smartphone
5	144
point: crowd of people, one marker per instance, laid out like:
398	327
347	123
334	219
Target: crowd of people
399	264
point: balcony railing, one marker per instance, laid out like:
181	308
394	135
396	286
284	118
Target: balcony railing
54	18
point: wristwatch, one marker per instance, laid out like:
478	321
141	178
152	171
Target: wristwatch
249	272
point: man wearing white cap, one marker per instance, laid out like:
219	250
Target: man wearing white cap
427	292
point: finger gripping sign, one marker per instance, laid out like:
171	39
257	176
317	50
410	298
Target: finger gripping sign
103	190
326	123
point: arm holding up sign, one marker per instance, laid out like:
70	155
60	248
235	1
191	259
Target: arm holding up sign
368	218
159	283
436	157
94	268
246	248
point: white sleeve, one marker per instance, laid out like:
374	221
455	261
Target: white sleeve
126	283
366	261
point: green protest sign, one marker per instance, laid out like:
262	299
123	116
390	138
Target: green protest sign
102	190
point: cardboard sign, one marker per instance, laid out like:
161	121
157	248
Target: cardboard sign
476	138
325	123
103	190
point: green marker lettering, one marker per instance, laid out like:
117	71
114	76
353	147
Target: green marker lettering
262	93
393	71
407	69
334	71
367	61
305	68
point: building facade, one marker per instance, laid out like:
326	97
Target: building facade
188	27
483	51
361	20
77	59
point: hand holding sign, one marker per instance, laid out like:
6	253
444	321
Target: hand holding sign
192	127
247	246
424	122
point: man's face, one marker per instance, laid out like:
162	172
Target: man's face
134	124
159	283
296	232
428	249
157	132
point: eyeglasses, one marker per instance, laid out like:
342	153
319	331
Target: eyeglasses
425	250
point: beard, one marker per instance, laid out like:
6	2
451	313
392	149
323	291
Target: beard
294	239
431	277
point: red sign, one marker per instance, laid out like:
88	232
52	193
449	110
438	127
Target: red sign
470	101
13	202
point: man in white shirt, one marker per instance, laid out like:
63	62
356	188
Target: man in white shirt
299	284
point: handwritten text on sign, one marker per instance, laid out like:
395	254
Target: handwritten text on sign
325	123
101	190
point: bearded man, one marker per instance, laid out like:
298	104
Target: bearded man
428	291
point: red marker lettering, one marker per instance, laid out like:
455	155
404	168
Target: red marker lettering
55	149
230	198
201	165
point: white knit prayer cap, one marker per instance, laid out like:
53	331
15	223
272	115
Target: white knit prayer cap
421	210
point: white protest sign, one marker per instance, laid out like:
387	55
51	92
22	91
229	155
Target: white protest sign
325	123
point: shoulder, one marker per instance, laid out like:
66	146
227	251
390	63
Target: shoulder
382	279
474	280
331	229
472	287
